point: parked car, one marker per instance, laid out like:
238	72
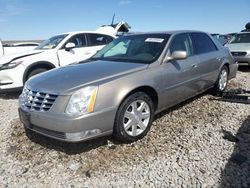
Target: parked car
60	50
223	39
120	89
18	47
24	44
240	48
1	49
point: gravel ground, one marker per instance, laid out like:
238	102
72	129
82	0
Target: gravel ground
200	143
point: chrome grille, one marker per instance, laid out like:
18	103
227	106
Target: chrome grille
37	101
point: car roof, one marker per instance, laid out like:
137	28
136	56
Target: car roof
167	32
78	32
244	32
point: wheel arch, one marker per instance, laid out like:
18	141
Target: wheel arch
149	90
33	66
227	65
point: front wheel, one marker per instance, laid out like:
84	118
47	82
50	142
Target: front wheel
134	117
35	72
222	80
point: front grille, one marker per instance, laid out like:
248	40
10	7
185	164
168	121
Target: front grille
38	101
239	53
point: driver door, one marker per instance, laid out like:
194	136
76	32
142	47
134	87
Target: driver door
177	78
79	53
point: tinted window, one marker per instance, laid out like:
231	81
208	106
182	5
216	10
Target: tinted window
79	40
202	43
181	42
98	39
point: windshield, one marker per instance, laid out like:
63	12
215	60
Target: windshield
143	48
241	38
51	43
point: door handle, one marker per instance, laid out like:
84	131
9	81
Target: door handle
194	65
218	58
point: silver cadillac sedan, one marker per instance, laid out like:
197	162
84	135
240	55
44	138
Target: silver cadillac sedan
120	89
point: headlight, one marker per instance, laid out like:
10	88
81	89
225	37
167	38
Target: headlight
24	97
82	101
11	65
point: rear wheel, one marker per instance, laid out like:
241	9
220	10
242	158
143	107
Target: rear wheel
134	117
222	80
35	71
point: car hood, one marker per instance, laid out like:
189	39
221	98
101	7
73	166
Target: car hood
67	79
12	57
239	46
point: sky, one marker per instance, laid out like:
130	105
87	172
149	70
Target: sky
34	20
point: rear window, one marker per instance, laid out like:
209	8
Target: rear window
202	43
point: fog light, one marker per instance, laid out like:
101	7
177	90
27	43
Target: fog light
82	135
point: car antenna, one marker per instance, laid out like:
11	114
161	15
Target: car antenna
113	18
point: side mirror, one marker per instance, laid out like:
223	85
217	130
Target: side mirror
69	46
176	55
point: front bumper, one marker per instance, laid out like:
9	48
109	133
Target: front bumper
11	79
69	129
242	60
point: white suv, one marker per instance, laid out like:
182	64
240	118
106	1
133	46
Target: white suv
57	51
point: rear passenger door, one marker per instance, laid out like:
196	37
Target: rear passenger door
206	71
177	79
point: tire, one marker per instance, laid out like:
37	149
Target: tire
34	72
222	80
137	121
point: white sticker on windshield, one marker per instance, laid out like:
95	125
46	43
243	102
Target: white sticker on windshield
159	40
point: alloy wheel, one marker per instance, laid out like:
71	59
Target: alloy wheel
136	118
223	80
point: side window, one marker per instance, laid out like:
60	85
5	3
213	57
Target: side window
79	40
181	42
202	43
98	39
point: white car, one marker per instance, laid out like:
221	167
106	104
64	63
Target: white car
19	47
60	50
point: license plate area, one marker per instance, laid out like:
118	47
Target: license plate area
24	117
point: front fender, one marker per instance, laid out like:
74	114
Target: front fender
111	94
